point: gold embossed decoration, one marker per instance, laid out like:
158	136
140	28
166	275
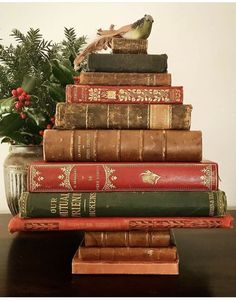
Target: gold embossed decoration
149	177
207	177
110	178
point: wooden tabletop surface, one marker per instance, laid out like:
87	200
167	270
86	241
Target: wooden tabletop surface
39	265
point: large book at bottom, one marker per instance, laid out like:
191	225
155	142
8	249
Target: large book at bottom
124	267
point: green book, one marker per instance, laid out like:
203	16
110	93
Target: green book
99	62
142	204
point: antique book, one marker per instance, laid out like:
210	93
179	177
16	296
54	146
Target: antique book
122	116
122	145
118	204
124	94
120	45
127	238
129	79
116	176
17	224
104	62
124	267
127	253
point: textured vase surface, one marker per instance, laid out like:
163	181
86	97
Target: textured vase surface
15	172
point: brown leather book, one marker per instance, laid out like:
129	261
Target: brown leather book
127	253
118	79
122	145
127	239
122	116
119	45
124	267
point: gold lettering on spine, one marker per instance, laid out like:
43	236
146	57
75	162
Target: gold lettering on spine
23	203
108	116
141	145
64	205
118	146
128	117
86	116
164	143
211	204
92	204
95	137
76	204
71	146
88	146
53	205
79	147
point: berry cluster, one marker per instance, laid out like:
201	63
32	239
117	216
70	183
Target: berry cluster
22	100
49	126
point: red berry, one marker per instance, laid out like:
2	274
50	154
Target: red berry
19	90
41	133
27	103
14	93
19	105
21	98
27	97
23	115
49	126
52	120
24	94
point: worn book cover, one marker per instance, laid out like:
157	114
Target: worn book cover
17	224
122	116
150	63
129	79
124	94
120	45
118	204
117	176
122	145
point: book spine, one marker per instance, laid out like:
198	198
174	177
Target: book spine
119	45
127	239
100	62
137	204
119	253
124	145
122	116
17	224
124	94
156	176
130	79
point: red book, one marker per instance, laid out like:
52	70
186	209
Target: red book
17	224
124	94
118	176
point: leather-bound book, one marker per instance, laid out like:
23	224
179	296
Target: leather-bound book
118	204
126	253
124	94
122	116
103	62
127	238
122	176
17	224
120	45
122	145
129	79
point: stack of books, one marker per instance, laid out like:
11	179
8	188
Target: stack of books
123	165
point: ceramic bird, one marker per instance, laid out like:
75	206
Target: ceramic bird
140	29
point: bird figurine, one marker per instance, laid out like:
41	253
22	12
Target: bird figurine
140	29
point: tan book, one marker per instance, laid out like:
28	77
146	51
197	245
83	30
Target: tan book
122	145
120	45
127	238
124	267
122	116
118	79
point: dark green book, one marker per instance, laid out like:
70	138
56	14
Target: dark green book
98	62
142	204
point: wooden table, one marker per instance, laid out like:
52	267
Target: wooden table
39	264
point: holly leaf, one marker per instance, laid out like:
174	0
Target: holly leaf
39	118
10	124
6	105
